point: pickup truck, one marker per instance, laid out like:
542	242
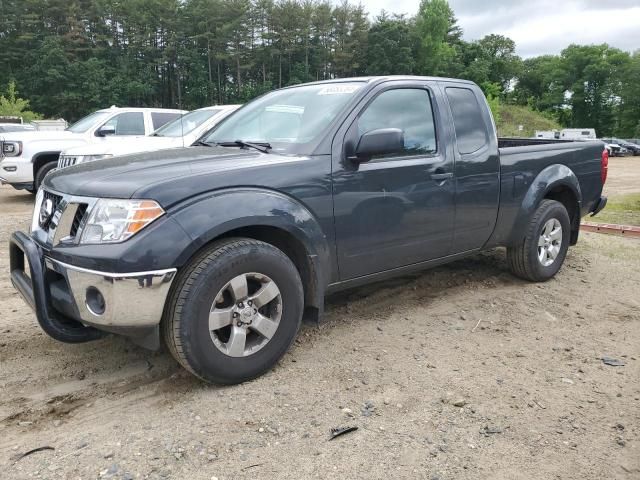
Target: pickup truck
223	248
27	157
181	132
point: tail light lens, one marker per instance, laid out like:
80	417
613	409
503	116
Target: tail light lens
604	165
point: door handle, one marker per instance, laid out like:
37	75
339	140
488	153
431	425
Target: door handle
440	176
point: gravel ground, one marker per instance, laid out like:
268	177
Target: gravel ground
461	372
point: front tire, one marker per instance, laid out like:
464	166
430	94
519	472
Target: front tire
41	173
234	312
542	251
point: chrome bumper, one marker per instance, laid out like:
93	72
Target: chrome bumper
116	300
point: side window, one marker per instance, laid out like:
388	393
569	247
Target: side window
160	118
408	109
129	123
471	131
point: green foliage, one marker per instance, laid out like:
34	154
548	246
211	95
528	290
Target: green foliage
492	92
512	116
434	50
69	57
12	106
390	47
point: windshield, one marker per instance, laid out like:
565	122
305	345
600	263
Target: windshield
288	118
186	124
87	122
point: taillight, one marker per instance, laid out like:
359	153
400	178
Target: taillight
604	165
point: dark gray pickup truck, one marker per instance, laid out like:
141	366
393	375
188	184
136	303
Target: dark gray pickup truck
224	247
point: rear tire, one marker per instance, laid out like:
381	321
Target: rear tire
542	251
41	173
196	325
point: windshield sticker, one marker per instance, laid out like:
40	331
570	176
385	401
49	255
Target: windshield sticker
338	89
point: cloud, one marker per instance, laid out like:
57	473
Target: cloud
540	27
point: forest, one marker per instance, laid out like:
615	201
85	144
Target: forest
69	57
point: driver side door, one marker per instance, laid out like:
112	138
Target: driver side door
397	209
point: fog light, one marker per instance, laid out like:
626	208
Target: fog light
95	301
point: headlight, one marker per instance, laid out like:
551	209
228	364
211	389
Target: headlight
93	158
112	221
11	149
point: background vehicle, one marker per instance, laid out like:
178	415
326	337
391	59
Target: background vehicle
548	134
615	150
27	157
227	245
631	147
50	125
181	132
578	134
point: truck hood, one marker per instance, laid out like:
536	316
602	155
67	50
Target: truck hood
124	146
169	176
45	135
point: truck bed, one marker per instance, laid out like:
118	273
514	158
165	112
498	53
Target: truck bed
509	142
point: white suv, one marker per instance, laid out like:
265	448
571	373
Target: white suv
26	157
181	132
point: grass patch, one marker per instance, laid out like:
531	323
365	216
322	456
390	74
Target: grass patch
621	210
511	116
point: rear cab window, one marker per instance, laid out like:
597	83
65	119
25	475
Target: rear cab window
161	118
470	128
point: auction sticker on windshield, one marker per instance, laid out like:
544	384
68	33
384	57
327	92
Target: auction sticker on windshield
338	89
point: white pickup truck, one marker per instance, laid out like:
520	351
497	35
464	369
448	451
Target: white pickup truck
27	157
181	132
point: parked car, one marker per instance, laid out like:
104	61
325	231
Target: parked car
222	248
27	157
630	147
614	150
181	132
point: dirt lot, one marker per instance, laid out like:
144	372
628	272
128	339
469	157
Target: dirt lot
459	372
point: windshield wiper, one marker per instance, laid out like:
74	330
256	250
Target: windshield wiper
263	147
201	143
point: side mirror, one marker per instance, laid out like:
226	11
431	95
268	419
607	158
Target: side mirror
379	142
105	130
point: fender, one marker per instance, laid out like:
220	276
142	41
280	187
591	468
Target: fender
551	177
214	214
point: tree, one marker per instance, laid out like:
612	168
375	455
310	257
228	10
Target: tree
590	78
433	30
12	106
390	51
629	109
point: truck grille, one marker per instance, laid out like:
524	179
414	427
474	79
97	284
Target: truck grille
50	204
77	219
58	218
67	161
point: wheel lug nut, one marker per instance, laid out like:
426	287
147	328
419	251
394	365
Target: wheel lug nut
240	305
235	314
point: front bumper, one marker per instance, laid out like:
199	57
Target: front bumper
16	171
129	304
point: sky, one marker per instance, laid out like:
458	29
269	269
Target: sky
539	26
